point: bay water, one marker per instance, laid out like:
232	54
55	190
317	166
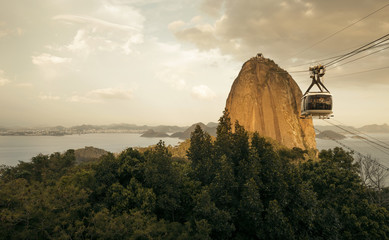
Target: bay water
22	148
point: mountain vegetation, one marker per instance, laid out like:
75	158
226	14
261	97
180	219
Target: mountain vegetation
231	187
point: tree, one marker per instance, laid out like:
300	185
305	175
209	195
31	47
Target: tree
227	190
223	143
240	144
373	176
276	225
163	178
343	199
250	212
209	219
200	154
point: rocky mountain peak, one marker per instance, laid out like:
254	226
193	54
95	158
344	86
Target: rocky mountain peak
266	99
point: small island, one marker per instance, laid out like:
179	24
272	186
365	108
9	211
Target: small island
330	135
151	134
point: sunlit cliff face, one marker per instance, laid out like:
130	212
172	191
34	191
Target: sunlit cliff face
265	99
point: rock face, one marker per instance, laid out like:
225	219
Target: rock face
265	98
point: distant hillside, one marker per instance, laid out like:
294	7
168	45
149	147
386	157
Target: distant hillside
372	128
186	134
335	129
87	129
212	124
375	128
128	127
151	133
330	135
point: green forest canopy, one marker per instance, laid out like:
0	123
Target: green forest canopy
234	187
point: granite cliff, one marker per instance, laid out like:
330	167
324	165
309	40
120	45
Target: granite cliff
266	99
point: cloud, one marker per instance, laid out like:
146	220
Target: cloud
279	28
79	42
173	76
112	93
114	27
24	85
179	58
176	25
6	31
100	95
178	69
3	33
46	58
212	7
3	79
97	34
48	97
81	99
203	92
51	66
97	22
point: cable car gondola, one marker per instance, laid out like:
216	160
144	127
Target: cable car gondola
317	104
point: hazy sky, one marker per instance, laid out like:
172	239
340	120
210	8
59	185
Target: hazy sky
70	62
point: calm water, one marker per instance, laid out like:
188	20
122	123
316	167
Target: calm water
15	148
363	147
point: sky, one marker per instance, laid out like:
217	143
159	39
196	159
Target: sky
172	62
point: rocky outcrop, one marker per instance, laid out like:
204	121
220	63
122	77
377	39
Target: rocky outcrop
265	98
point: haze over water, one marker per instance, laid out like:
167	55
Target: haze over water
15	148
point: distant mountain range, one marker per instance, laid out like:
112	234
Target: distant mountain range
149	131
332	131
158	131
128	127
373	128
210	128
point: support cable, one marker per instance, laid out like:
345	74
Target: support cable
355	73
361	57
367	140
382	142
378	42
340	30
356	152
313	62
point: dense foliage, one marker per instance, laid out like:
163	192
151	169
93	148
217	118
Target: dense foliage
235	187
